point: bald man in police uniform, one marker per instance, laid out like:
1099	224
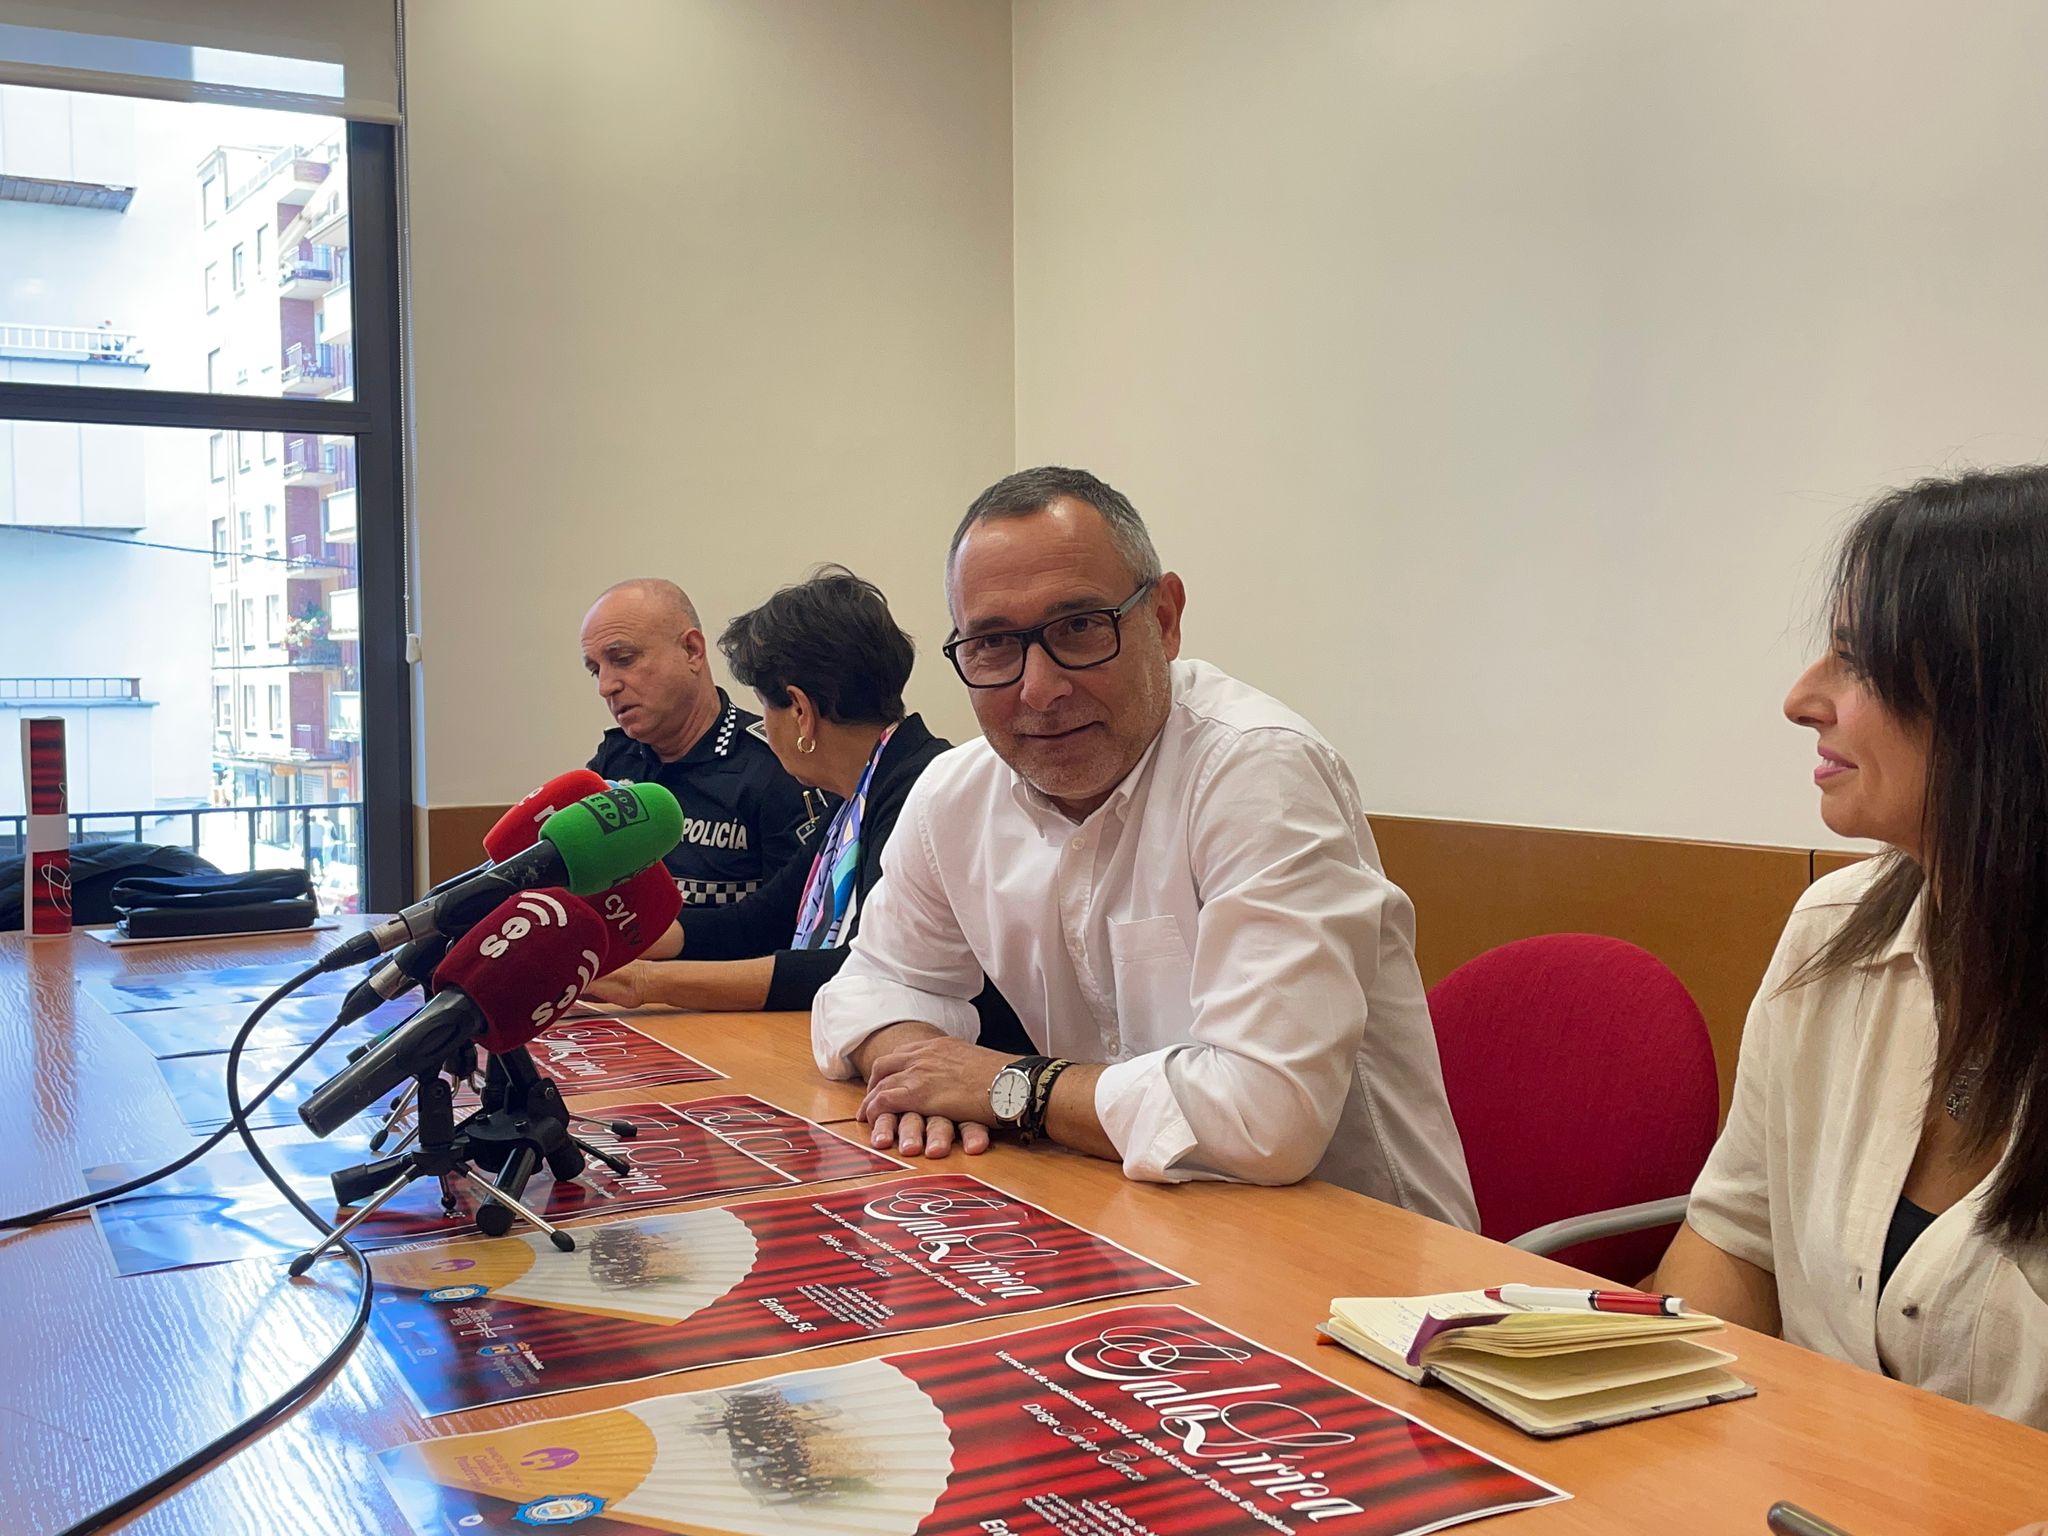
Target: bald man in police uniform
743	817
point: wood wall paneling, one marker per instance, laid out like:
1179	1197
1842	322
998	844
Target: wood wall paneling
1710	911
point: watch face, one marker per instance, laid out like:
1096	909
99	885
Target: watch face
1009	1094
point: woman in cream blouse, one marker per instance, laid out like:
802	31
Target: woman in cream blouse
1880	1192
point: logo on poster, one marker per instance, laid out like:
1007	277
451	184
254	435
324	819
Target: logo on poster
551	1458
561	1509
457	1293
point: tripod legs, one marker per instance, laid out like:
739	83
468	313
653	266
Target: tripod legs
495	1198
368	1209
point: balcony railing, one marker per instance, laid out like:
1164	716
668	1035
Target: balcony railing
315	262
265	835
17	690
315	653
306	461
71	344
317	369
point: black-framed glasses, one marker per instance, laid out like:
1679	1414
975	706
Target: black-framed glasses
1076	641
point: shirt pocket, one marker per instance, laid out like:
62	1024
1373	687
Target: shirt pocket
1154	983
1149	938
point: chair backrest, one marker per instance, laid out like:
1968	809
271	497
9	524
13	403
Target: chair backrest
1581	1077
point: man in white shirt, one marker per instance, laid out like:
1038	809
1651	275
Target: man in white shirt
1166	872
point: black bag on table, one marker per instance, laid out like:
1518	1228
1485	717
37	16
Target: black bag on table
188	906
96	868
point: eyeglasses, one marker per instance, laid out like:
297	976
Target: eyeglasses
1076	641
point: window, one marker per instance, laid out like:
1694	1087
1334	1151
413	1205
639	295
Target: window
215	186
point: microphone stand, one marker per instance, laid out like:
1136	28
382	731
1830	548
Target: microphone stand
521	1123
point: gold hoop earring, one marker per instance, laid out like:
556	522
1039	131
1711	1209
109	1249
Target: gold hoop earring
806	745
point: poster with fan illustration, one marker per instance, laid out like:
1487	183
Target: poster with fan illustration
1143	1420
482	1321
222	1208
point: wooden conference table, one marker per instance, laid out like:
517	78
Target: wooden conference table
105	1381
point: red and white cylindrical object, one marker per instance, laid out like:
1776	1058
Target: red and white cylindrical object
47	886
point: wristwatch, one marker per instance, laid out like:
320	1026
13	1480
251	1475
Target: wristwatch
1021	1093
1009	1096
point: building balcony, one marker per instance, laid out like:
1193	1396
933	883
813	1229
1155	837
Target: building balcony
344	717
344	614
338	518
294	177
310	271
69	690
72	344
320	369
308	555
323	652
338	311
310	463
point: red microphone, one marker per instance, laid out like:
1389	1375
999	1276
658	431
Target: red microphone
519	828
636	912
503	982
516	831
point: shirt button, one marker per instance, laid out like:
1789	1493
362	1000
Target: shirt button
1115	1045
1079	843
1859	1282
1910	1309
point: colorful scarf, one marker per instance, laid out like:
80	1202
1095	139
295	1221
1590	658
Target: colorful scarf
833	871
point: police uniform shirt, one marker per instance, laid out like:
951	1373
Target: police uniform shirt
743	817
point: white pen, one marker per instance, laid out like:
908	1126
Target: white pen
1641	1303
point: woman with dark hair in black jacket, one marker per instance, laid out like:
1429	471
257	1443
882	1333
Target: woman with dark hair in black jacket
828	664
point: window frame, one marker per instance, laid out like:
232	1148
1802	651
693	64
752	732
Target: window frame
375	420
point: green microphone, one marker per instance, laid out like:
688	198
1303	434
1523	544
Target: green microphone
587	846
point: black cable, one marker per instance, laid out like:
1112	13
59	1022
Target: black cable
141	1180
309	1384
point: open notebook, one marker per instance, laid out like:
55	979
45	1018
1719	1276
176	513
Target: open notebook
1545	1372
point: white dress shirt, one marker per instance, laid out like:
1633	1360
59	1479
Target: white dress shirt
1830	1093
1218	932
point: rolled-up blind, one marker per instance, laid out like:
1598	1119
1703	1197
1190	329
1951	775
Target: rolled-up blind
331	56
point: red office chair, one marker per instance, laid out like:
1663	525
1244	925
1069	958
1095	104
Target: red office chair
1582	1082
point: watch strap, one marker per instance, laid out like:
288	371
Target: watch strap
1032	1126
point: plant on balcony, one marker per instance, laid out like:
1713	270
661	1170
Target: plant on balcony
305	636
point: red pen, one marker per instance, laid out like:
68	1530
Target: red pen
1551	1298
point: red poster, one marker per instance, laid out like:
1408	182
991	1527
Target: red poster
222	1207
1139	1421
492	1321
600	1055
581	1055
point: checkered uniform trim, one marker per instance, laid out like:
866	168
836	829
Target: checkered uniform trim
714	893
727	724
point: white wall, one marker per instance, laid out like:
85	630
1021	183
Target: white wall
1496	372
708	289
